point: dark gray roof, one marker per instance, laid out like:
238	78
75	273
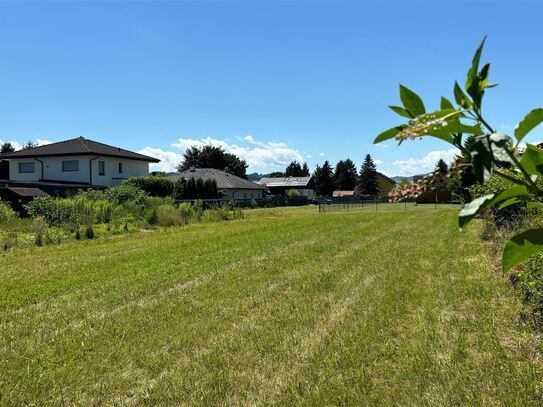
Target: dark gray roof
287	182
78	146
223	179
28	191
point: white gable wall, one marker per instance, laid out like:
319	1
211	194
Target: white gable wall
52	170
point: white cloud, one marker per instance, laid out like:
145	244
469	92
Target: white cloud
414	166
321	155
169	160
42	142
378	162
260	155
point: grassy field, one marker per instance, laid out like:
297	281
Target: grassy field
286	307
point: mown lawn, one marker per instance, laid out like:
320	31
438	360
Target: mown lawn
286	307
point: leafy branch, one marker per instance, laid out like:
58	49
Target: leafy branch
490	152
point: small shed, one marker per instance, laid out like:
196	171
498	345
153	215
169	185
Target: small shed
17	197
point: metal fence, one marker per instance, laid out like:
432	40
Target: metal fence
336	206
331	205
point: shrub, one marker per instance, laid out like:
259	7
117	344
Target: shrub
56	212
6	213
89	232
168	215
196	188
91	194
293	193
9	241
496	184
530	282
125	193
151	216
198	207
152	185
39	227
186	211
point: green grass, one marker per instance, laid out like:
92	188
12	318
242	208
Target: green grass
286	307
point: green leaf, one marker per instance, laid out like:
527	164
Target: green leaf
461	98
473	208
521	247
388	134
510	202
532	160
480	204
446	103
401	111
499	143
458	127
482	160
535	205
472	80
411	101
532	119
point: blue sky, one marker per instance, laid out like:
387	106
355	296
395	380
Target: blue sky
270	81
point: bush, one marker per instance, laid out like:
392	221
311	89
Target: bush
56	212
496	184
293	193
530	282
89	232
196	189
39	227
152	185
168	215
186	211
6	213
125	193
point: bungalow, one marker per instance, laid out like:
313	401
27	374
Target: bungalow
77	162
230	185
384	186
281	186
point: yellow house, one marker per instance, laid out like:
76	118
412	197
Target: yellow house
385	184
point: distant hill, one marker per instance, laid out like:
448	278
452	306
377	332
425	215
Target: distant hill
399	178
255	176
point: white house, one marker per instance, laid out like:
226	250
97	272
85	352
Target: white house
78	161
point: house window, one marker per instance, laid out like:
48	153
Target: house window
72	165
101	168
120	168
25	168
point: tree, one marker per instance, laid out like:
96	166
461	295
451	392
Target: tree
461	172
305	170
29	144
367	181
276	174
213	157
345	175
441	167
7	147
323	179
